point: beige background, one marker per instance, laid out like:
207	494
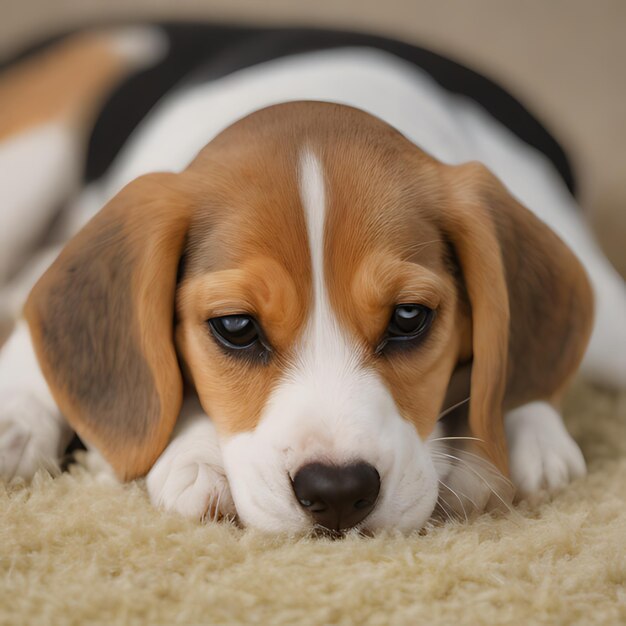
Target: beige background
565	58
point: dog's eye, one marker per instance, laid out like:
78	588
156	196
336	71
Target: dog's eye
236	332
408	322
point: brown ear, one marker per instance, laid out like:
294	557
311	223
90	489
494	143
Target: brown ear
532	305
101	319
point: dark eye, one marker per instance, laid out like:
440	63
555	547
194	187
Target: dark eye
408	322
236	332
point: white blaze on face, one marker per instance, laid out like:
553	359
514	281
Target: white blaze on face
327	408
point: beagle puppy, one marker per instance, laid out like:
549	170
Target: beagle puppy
322	291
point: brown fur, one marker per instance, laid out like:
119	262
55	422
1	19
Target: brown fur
64	84
511	299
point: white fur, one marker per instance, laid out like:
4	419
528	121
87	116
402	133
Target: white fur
327	408
189	476
312	196
14	295
39	169
542	454
33	433
141	46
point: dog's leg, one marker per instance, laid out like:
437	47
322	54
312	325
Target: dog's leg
33	433
543	456
189	476
30	201
49	103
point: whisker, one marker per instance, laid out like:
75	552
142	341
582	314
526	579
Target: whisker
206	515
444	508
363	533
483	462
479	459
485	482
456	438
463	494
451	408
457	497
487	465
216	511
495	482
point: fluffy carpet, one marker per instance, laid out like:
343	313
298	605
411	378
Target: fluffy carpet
80	550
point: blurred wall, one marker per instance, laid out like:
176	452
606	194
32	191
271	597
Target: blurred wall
564	58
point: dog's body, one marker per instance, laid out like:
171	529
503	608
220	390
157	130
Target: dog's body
323	234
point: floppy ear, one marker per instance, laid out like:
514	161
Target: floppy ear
102	317
531	302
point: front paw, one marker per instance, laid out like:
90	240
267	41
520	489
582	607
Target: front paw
543	456
190	486
31	437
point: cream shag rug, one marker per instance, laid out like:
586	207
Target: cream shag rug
79	550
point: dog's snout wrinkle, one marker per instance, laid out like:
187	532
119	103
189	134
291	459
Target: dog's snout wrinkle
337	497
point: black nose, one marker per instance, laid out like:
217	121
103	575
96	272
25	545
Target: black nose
337	497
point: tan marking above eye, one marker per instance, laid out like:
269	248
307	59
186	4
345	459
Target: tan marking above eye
382	282
234	391
260	288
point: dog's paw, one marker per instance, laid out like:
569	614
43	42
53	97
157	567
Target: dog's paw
31	437
189	478
543	456
194	489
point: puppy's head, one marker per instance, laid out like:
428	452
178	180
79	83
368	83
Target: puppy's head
329	290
